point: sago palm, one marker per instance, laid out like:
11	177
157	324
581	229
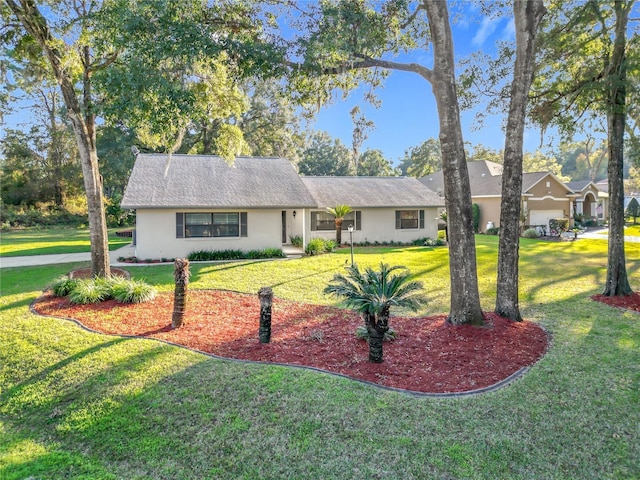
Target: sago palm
373	293
339	212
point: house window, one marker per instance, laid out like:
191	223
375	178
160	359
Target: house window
409	219
326	221
222	224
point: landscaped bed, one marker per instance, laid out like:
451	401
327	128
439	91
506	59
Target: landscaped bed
428	356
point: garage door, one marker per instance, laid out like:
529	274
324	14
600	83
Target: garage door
542	217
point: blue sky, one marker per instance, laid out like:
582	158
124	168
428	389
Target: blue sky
408	114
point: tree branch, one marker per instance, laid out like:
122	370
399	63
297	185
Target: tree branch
412	17
363	63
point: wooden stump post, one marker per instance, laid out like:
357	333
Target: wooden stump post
265	294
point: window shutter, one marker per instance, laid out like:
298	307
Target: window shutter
358	220
314	221
243	224
398	220
179	225
422	219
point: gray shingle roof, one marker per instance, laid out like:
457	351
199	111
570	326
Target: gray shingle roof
359	192
485	178
199	181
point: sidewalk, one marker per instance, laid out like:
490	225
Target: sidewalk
32	260
126	251
603	235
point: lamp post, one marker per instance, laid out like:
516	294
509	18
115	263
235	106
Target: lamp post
351	242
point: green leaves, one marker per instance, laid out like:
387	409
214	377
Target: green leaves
372	291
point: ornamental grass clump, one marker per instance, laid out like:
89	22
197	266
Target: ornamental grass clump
95	290
132	291
63	286
90	291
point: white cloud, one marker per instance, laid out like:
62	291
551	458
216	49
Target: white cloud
487	27
509	31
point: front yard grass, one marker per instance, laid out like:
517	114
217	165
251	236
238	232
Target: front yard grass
74	404
31	241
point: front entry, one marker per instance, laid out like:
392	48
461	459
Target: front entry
284	227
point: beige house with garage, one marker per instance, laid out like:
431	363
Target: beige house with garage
186	203
544	196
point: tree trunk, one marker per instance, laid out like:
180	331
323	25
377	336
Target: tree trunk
82	121
377	326
527	17
181	276
465	298
339	231
617	281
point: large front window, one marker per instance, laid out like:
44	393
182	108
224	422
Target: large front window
409	219
326	221
212	224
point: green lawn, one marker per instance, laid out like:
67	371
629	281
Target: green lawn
75	404
53	240
632	230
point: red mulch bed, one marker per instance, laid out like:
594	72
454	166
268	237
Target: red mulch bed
629	302
428	356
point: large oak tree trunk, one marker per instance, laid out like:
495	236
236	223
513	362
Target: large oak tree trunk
83	123
617	281
527	17
465	298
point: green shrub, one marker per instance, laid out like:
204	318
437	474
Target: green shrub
132	291
315	246
330	246
475	211
433	242
531	233
558	225
492	231
90	291
266	253
363	334
63	286
213	255
296	240
216	255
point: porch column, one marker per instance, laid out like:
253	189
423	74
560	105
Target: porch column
304	228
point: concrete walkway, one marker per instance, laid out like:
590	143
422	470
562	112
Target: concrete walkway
126	251
604	235
32	260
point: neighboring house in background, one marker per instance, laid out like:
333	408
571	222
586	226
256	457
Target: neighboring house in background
186	203
544	196
591	201
398	209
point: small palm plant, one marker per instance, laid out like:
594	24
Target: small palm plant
373	293
339	212
181	276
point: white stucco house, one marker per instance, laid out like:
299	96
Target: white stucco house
186	203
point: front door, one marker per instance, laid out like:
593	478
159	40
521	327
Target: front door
284	227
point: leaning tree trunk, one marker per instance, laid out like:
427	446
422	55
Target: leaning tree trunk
617	280
465	297
82	121
339	230
181	276
527	17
